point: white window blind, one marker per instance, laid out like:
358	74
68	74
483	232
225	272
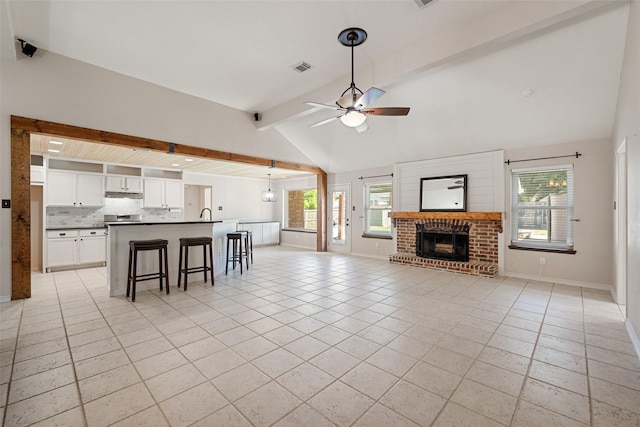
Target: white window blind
377	206
542	208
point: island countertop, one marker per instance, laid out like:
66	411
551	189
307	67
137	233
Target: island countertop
111	224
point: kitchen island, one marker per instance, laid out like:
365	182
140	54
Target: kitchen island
120	233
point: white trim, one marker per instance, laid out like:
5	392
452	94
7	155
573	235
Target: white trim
297	246
634	337
559	281
5	298
381	257
544	168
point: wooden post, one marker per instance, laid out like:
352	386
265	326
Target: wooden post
20	214
321	236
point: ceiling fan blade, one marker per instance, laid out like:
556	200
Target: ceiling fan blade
364	126
369	97
323	122
387	111
317	104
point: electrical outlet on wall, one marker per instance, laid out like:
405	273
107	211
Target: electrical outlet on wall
542	261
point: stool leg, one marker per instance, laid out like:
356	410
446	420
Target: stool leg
226	267
129	272
211	260
180	267
251	247
186	266
246	249
160	267
204	260
166	271
135	275
235	253
240	253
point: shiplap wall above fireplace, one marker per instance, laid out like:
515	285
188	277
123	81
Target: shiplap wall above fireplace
485	183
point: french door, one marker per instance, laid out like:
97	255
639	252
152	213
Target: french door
339	218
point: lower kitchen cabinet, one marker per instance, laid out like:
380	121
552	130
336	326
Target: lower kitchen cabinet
264	233
70	248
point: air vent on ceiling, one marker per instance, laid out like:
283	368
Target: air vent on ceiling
423	3
302	66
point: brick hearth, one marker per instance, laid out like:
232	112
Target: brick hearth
483	241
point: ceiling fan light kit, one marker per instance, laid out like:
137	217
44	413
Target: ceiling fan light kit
353	102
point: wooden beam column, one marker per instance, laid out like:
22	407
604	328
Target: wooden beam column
20	214
321	236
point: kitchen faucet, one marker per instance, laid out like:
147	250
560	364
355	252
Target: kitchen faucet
202	213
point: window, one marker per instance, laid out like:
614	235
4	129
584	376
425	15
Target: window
301	209
377	206
542	208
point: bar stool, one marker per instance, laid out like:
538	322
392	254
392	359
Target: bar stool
248	245
133	277
237	252
185	242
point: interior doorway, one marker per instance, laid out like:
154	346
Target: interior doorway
198	202
37	203
339	218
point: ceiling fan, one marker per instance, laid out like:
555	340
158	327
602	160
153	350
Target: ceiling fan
353	102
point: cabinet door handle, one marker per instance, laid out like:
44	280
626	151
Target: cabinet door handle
62	234
93	232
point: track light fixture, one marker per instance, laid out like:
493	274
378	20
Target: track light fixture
27	49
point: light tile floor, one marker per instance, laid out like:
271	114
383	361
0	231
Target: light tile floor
317	339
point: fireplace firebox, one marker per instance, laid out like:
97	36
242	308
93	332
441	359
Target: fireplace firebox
443	239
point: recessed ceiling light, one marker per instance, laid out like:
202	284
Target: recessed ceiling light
175	164
528	93
55	142
51	150
188	160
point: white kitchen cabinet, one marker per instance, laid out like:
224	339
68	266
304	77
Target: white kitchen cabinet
70	248
74	189
162	193
271	233
264	233
125	184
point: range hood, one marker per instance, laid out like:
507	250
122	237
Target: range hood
122	195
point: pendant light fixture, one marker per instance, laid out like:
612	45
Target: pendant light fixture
269	196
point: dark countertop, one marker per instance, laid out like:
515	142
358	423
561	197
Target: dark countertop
76	227
254	222
162	223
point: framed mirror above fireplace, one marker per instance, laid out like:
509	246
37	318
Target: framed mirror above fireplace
443	194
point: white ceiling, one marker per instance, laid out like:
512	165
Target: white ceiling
460	65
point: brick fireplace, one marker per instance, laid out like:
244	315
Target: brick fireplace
483	231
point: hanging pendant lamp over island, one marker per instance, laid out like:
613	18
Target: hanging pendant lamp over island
269	196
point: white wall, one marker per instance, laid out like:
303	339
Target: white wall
627	125
54	88
592	265
240	198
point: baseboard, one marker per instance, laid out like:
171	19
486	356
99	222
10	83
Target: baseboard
383	257
559	281
5	298
298	246
634	337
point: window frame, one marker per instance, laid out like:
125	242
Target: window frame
366	231
285	211
564	246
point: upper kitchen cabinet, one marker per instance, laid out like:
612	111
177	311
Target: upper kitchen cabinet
162	193
125	184
74	189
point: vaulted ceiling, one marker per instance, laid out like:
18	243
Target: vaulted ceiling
478	75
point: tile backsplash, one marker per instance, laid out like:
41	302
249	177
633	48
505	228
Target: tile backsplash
93	217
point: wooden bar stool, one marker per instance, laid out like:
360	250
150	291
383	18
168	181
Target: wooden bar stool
185	243
237	253
133	277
